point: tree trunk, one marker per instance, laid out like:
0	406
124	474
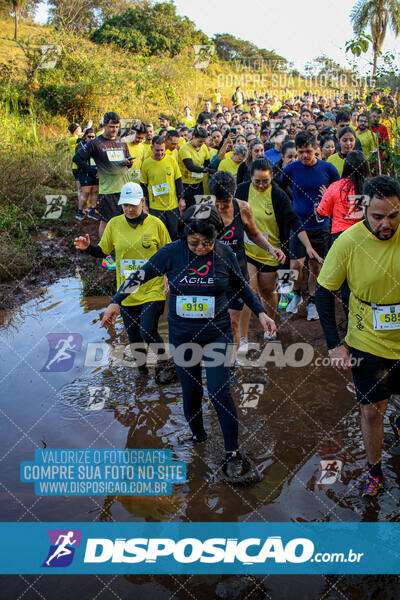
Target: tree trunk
16	23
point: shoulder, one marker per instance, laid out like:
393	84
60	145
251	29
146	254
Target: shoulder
242	190
224	251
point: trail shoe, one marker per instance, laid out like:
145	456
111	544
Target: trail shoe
80	215
312	313
109	263
284	300
270	338
239	470
165	372
371	485
92	215
294	304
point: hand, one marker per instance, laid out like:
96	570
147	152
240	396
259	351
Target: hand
267	323
82	242
278	254
313	255
182	205
110	316
166	287
322	190
339	357
128	162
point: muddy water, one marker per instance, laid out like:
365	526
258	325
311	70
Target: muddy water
304	415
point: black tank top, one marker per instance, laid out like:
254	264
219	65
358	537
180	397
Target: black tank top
233	236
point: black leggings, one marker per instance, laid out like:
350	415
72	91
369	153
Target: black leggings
218	392
344	288
141	323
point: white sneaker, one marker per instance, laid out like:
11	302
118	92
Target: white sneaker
294	304
312	313
269	338
243	345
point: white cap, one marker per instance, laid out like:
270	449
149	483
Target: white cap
131	193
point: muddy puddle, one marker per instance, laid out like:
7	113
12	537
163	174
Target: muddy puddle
303	415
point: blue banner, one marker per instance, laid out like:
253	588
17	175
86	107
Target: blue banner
200	548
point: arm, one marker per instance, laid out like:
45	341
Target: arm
240	285
83	243
191	166
255	235
81	159
325	301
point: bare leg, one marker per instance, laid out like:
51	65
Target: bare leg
246	313
372	429
267	288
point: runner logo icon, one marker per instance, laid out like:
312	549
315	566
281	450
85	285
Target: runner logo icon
62	351
63	543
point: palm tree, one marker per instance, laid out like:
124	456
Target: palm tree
377	14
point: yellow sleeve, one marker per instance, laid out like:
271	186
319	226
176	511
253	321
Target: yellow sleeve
334	269
106	243
184	152
177	170
144	177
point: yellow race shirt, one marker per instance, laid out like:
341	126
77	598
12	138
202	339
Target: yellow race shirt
72	141
338	162
369	142
147	152
173	153
189	121
160	177
227	164
264	216
137	151
372	269
133	246
198	157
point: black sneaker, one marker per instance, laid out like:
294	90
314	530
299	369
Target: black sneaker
92	215
80	215
234	465
165	372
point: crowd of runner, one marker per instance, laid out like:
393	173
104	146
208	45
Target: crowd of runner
251	205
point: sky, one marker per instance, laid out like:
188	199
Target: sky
299	31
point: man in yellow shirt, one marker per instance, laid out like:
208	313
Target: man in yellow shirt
161	181
367	256
172	144
368	139
194	158
137	150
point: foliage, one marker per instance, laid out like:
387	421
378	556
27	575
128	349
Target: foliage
230	48
150	29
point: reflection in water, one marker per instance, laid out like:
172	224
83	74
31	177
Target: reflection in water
303	416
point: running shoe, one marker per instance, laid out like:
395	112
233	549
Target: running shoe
234	464
109	263
294	304
80	215
371	485
92	214
243	345
285	299
312	313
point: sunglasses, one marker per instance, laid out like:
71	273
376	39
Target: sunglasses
196	243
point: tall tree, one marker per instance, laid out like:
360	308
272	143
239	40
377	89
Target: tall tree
378	15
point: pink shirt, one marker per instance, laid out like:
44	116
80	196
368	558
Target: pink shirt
338	203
